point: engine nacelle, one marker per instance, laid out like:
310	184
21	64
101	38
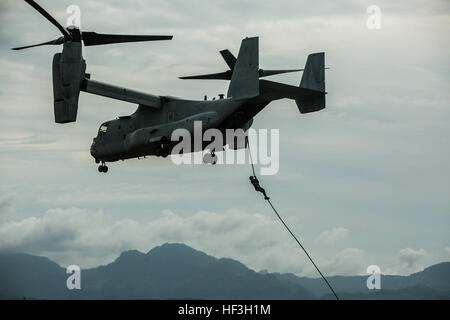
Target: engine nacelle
68	73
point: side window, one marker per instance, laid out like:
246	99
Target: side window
103	128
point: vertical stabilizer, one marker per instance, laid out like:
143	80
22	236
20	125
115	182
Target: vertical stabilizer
313	78
245	79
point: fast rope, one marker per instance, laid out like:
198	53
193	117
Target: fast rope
254	181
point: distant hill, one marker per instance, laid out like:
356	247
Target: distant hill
170	271
176	271
431	283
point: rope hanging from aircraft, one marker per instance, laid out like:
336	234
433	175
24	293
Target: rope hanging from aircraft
255	182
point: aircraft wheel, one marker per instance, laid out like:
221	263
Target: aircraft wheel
206	158
158	151
102	168
209	158
165	153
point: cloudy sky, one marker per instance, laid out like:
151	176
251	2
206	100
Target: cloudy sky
365	181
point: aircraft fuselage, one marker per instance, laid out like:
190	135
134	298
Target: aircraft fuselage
143	132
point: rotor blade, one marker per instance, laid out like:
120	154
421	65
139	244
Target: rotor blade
56	41
49	18
216	76
94	39
229	58
266	73
227	75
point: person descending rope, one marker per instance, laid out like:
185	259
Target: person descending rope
255	182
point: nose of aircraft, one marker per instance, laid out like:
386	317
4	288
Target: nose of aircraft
93	148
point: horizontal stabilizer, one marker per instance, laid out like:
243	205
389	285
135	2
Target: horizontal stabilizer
276	90
307	100
266	73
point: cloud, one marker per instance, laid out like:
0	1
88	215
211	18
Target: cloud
333	235
411	257
349	261
95	238
90	238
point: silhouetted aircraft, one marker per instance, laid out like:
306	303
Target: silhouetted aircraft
148	130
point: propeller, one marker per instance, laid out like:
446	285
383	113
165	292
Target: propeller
230	60
94	39
56	41
88	38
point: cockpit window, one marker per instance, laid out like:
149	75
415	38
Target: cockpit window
103	128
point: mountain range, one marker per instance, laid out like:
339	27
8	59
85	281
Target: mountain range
176	271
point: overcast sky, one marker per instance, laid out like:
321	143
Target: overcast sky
365	181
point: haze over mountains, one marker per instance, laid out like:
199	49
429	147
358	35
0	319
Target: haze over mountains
176	271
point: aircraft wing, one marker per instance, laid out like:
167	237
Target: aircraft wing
120	93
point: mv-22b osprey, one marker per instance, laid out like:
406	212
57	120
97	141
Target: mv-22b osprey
148	130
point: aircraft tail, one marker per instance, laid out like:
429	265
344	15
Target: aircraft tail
310	95
313	78
245	78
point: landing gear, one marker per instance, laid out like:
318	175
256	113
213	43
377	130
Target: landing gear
103	168
162	151
210	157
